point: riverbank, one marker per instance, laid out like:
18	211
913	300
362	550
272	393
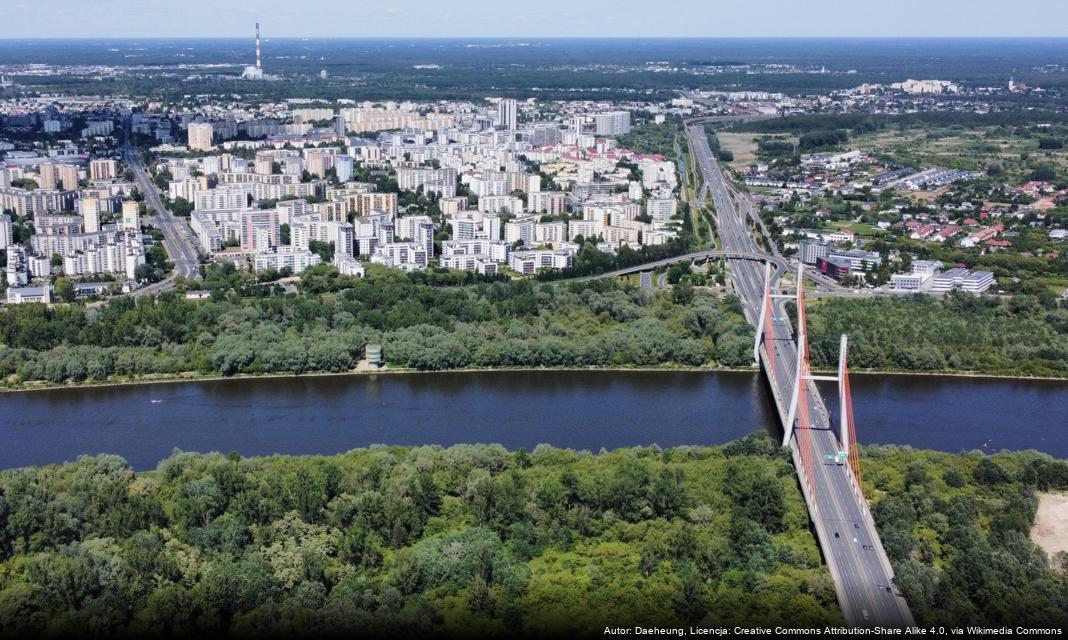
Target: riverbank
192	376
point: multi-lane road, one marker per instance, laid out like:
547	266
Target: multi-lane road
862	573
177	237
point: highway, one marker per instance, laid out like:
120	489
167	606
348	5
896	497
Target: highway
851	547
177	237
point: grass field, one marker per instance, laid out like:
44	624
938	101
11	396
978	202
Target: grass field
974	149
742	145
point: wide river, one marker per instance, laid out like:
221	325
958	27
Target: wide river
575	409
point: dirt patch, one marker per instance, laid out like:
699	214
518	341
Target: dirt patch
1051	523
742	145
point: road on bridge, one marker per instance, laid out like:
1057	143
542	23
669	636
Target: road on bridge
861	571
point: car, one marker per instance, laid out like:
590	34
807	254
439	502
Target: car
864	612
835	534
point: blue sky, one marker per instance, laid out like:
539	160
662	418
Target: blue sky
533	18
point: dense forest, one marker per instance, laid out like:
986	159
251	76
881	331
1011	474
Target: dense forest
425	323
327	324
478	540
956	528
1022	335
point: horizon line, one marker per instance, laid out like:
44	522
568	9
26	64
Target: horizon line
522	38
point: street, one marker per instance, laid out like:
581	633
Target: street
177	237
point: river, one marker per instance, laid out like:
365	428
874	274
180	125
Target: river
574	409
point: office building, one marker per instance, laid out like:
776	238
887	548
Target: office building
833	267
963	279
809	250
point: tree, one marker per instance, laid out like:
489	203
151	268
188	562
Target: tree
64	289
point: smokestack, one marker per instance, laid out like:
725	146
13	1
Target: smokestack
258	66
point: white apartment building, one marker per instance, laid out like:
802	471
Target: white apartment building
494	250
282	257
122	256
408	256
228	198
528	262
507	113
661	209
548	202
550	232
494	204
412	179
348	265
7	232
520	229
474	263
612	123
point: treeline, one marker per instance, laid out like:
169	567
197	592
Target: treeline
458	542
1021	335
859	123
957	530
326	326
591	261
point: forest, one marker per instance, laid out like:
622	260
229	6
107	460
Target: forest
961	333
434	321
476	540
252	329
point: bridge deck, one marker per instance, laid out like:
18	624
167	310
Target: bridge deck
847	535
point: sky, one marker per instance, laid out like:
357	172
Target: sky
534	18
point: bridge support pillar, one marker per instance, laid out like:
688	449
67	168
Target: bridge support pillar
843	417
788	428
763	315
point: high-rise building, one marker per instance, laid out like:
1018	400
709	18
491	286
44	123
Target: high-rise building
259	230
68	175
46	176
90	208
343	166
200	134
809	250
613	123
103	169
6	231
506	113
130	214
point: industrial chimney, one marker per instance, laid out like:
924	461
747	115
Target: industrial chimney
258	65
